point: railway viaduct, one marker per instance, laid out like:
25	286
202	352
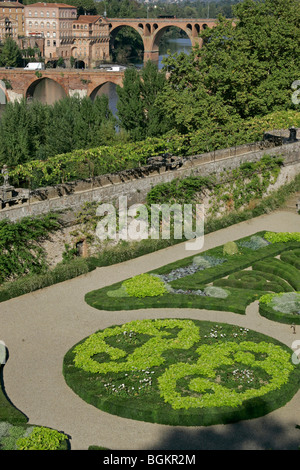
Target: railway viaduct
152	29
18	83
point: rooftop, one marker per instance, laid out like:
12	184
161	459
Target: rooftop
11	4
50	5
88	18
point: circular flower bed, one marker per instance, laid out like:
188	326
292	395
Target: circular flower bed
182	372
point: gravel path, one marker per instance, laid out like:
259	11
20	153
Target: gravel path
39	328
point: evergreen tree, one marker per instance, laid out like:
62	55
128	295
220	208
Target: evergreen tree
137	109
130	107
10	55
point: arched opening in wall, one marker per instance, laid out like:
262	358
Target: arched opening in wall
79	64
46	91
171	40
110	90
126	46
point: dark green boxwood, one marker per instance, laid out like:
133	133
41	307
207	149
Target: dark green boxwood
135	384
268	312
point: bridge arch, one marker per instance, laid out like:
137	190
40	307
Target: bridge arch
158	33
108	88
3	93
59	90
141	31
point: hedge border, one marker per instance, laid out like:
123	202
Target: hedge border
250	409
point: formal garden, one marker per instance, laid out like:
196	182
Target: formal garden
188	372
185	372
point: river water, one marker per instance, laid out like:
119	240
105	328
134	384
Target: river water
172	45
48	91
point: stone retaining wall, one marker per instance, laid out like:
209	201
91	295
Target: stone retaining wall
136	183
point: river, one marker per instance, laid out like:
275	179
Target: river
171	45
48	92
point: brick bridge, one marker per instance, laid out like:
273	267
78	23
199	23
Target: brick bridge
19	83
152	29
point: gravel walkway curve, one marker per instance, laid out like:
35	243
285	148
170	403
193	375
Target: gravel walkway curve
39	328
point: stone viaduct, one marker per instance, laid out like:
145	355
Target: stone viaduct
152	29
19	83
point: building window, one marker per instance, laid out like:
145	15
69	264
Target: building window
29	13
47	14
53	14
42	24
48	42
54	43
42	13
53	25
35	13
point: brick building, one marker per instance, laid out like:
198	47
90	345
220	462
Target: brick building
11	20
90	40
56	31
51	21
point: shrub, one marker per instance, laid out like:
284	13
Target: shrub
218	292
274	237
144	285
41	439
255	243
230	248
284	302
205	261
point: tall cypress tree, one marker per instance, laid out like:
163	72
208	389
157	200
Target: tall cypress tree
130	106
137	110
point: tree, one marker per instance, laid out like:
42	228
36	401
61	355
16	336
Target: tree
10	54
130	107
137	110
242	70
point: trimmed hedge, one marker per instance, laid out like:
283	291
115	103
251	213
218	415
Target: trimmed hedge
124	370
282	269
243	286
268	312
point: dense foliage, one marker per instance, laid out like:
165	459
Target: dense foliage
81	164
137	111
20	252
243	70
10	54
39	131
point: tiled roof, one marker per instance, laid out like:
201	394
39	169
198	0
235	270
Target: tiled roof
50	5
87	19
11	4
